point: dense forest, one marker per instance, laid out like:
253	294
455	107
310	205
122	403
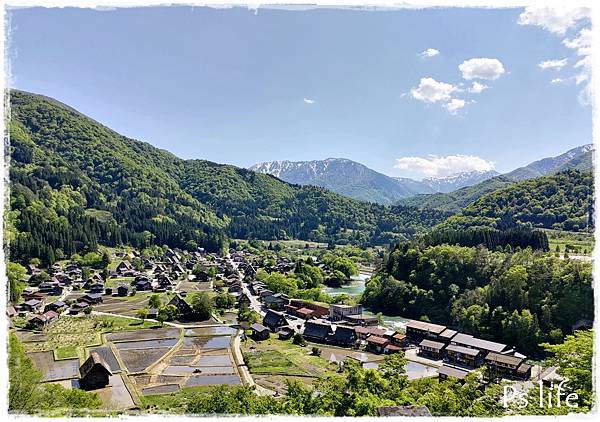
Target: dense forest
517	296
489	237
562	201
76	183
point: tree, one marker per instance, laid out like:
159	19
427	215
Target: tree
202	304
167	313
142	313
154	301
574	358
16	274
23	378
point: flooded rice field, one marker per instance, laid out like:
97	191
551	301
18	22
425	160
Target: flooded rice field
210	331
147	344
198	380
137	360
217	360
219	342
143	334
188	370
415	370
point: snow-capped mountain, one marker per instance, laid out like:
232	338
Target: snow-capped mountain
353	179
457	181
356	180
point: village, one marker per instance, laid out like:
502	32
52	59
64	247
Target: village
133	331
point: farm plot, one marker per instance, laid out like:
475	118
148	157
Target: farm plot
127	306
161	389
54	370
210	331
147	344
137	360
144	334
216	342
198	380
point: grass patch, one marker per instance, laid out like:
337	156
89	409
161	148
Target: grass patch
69	336
67	352
274	356
578	243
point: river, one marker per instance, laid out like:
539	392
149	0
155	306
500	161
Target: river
355	288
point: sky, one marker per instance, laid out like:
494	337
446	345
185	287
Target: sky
411	93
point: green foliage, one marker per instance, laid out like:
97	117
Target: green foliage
224	301
562	201
248	315
520	297
27	395
76	184
16	280
574	358
202	304
154	302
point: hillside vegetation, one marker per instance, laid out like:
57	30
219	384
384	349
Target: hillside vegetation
75	184
563	201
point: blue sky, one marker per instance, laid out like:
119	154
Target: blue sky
235	86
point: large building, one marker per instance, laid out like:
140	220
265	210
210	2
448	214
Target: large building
341	312
416	331
95	373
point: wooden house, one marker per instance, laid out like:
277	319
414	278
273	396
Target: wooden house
95	373
431	349
259	332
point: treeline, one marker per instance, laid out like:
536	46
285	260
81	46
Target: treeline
519	297
490	238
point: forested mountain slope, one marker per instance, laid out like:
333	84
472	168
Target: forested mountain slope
563	201
76	183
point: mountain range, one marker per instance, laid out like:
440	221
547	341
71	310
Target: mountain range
356	180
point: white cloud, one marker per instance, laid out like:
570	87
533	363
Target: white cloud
553	64
477	88
554	19
582	44
481	68
435	166
309	101
556	81
430	52
432	91
454	105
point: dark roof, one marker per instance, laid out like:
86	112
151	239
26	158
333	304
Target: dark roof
425	326
273	319
432	344
470	341
258	328
506	359
448	333
451	371
316	330
524	367
403	411
377	340
95	360
463	350
343	335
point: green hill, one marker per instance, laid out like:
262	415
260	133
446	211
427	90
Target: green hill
75	183
563	201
